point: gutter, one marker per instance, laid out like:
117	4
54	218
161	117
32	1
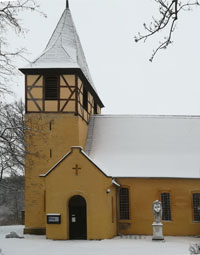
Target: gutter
117	204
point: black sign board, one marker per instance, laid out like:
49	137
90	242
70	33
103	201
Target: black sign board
53	218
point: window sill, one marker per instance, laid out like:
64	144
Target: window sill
125	221
52	99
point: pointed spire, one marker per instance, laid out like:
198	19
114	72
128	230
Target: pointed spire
67	4
64	50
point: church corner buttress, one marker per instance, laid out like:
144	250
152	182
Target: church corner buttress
59	99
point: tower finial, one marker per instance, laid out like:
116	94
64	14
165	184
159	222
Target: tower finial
67	4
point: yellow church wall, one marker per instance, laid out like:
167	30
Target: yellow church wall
51	106
62	183
143	191
70	107
36	93
51	136
32	78
80	85
66	93
98	109
69	78
31	106
79	109
83	130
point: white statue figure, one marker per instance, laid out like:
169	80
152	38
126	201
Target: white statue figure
157	211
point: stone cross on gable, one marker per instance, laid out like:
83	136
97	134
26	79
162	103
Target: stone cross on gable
76	168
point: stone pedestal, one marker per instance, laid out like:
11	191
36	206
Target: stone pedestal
157	231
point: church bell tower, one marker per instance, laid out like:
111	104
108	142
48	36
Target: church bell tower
60	97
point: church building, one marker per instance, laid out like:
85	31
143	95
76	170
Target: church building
94	176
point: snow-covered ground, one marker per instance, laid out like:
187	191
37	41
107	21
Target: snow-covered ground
130	245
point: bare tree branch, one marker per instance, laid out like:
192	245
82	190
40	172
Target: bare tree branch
10	21
169	12
12	143
12	139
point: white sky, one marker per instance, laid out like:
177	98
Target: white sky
125	80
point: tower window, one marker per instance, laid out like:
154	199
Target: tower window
124	203
95	108
166	207
196	206
85	99
51	88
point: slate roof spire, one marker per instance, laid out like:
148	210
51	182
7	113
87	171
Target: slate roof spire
64	51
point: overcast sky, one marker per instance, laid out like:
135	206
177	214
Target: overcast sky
125	80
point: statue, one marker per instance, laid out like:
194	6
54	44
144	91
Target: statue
157	225
157	211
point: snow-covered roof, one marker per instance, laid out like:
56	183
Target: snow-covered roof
145	146
63	50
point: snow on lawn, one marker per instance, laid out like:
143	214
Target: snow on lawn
129	245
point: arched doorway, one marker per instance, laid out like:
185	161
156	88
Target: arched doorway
77	218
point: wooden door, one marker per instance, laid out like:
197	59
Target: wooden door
77	218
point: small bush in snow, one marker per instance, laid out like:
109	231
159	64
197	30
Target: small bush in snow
13	235
194	248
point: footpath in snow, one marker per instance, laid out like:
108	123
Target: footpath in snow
126	245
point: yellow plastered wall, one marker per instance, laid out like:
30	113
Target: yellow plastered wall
51	106
66	130
70	79
143	191
66	93
62	183
32	107
36	93
70	107
32	78
98	109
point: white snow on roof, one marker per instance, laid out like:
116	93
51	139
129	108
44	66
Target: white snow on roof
145	146
64	49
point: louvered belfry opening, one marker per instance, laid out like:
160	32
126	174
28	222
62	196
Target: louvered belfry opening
85	99
51	88
95	108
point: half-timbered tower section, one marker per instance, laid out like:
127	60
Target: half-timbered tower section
60	97
50	91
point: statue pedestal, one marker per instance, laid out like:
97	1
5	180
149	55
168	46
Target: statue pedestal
157	231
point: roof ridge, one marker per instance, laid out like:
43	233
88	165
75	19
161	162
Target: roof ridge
146	116
64	13
75	38
66	51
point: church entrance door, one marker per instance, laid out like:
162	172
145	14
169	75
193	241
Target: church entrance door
77	218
